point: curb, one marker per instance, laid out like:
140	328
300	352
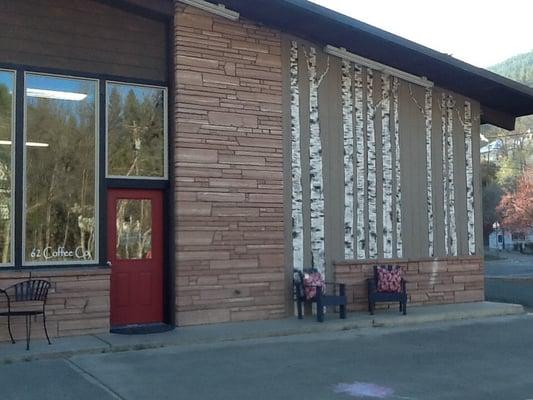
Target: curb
363	322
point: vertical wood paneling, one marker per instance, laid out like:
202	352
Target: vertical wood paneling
304	142
331	108
450	106
315	165
83	36
428	110
438	176
412	144
469	175
360	165
392	155
445	172
297	210
461	216
386	151
371	166
347	117
398	169
477	178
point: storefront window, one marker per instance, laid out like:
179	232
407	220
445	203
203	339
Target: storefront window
136	131
7	117
60	169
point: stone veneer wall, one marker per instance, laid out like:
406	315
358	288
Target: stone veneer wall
439	281
228	170
78	302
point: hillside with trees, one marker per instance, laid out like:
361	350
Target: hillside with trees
518	68
507	161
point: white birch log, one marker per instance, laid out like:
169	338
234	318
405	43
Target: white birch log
428	110
371	171
347	117
360	166
386	151
315	167
470	209
451	177
397	155
297	210
444	131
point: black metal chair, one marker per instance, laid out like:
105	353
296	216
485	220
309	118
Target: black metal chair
321	298
375	296
23	299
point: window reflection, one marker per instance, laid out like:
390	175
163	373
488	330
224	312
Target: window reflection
134	229
135	131
7	89
60	164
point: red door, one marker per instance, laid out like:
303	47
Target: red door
135	248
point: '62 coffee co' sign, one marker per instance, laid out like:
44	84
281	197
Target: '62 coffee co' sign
49	253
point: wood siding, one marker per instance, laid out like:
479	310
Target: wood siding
413	130
82	36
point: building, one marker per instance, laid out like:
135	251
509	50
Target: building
204	151
500	239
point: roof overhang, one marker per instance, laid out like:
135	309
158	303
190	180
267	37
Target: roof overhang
157	9
502	100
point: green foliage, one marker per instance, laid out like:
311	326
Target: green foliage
489	171
518	68
492	194
508	173
500	177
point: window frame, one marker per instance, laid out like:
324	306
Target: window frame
12	165
164	184
97	123
165	132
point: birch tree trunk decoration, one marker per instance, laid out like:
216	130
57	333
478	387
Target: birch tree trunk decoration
347	116
297	212
469	179
451	181
315	164
444	132
429	169
399	240
387	164
360	167
371	172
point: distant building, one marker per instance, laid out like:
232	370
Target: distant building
492	151
511	240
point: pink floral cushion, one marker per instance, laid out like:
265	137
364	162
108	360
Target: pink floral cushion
389	280
311	282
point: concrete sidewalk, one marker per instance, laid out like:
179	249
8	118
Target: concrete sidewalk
104	343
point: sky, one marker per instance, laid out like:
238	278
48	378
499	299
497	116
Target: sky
482	33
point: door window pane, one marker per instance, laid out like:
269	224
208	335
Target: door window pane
60	169
136	131
7	115
134	229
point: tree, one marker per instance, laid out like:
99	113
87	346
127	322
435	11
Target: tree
516	208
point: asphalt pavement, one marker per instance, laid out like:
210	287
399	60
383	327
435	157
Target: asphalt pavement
509	264
488	359
509	278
